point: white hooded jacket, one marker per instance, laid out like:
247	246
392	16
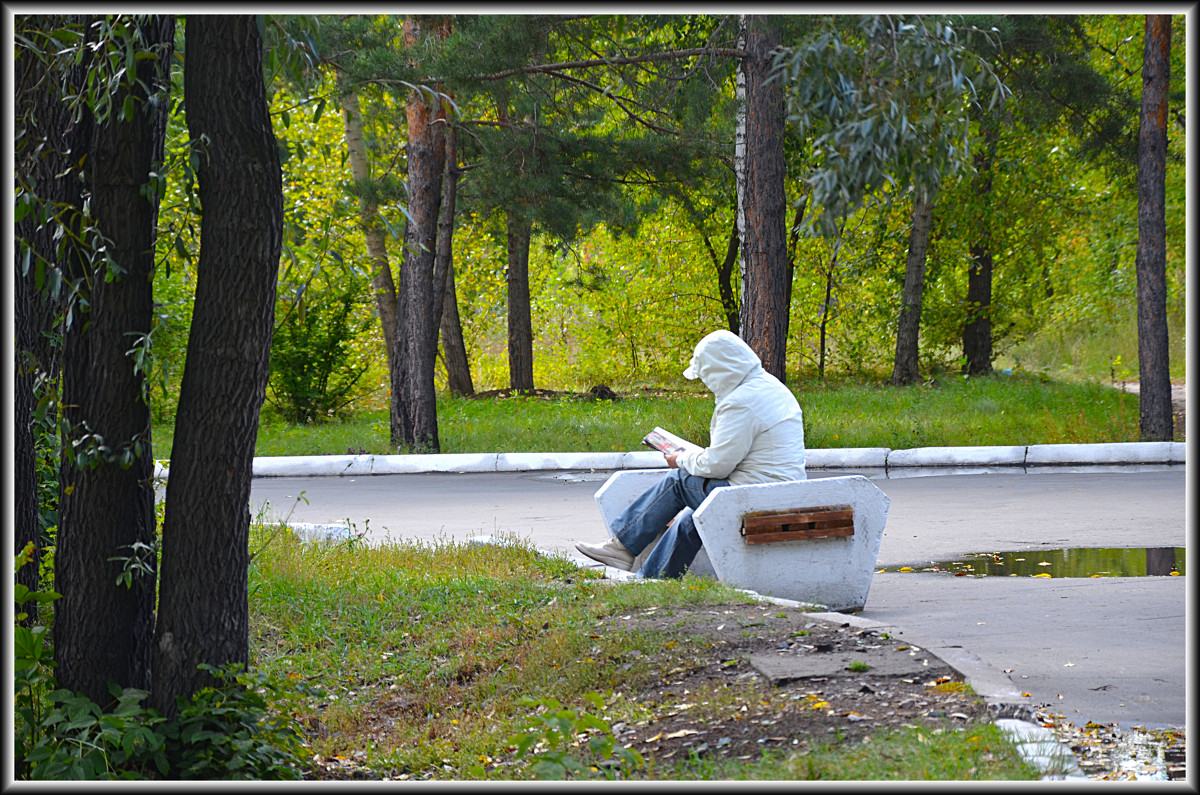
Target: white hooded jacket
756	433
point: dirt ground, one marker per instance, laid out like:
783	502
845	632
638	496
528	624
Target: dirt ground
741	678
811	681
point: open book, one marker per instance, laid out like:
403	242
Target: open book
666	442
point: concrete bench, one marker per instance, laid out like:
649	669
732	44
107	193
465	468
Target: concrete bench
813	541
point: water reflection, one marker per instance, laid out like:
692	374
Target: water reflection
1073	562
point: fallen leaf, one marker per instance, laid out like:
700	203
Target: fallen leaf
681	733
1043	574
1068	664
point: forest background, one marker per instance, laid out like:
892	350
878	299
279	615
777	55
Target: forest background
631	261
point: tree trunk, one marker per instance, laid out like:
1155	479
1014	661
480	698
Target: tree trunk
368	212
977	333
203	612
1154	370
827	304
907	369
454	349
414	399
458	369
46	135
729	304
103	628
25	488
520	324
762	206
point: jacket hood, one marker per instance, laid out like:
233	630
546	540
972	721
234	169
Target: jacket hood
722	360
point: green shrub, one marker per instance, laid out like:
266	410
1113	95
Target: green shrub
232	731
315	372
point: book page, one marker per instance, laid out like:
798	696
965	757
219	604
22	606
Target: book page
666	442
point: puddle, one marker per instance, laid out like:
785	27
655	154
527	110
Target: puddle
1106	753
1074	562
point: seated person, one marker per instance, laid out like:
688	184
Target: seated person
756	436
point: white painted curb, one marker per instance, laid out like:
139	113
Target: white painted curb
1012	455
433	462
896	463
1111	453
525	462
839	457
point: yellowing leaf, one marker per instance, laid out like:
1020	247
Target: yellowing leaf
681	733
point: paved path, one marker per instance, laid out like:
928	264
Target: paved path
1112	648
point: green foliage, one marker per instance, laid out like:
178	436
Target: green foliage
555	733
241	729
233	731
316	373
886	102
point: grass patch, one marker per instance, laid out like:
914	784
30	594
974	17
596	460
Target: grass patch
442	660
955	411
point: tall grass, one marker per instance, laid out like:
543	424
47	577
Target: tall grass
422	655
1097	351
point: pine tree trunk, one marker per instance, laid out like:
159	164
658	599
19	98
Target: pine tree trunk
454	349
419	301
374	233
1153	353
458	371
520	324
203	600
762	204
103	629
977	333
907	369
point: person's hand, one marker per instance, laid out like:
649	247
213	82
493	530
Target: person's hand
671	460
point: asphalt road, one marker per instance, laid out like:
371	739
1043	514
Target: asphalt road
1109	649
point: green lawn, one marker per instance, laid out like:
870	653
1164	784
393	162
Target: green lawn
956	411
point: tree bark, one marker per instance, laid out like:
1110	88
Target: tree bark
419	300
977	333
1154	370
729	303
203	604
374	232
103	628
46	137
454	349
907	369
762	208
520	324
458	369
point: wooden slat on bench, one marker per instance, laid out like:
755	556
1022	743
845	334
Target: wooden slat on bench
823	522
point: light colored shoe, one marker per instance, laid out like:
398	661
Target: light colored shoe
611	553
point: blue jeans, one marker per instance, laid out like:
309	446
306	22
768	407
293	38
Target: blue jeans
639	524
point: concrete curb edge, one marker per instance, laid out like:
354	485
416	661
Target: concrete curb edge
945	460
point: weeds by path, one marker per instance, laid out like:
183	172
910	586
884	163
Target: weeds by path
465	662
